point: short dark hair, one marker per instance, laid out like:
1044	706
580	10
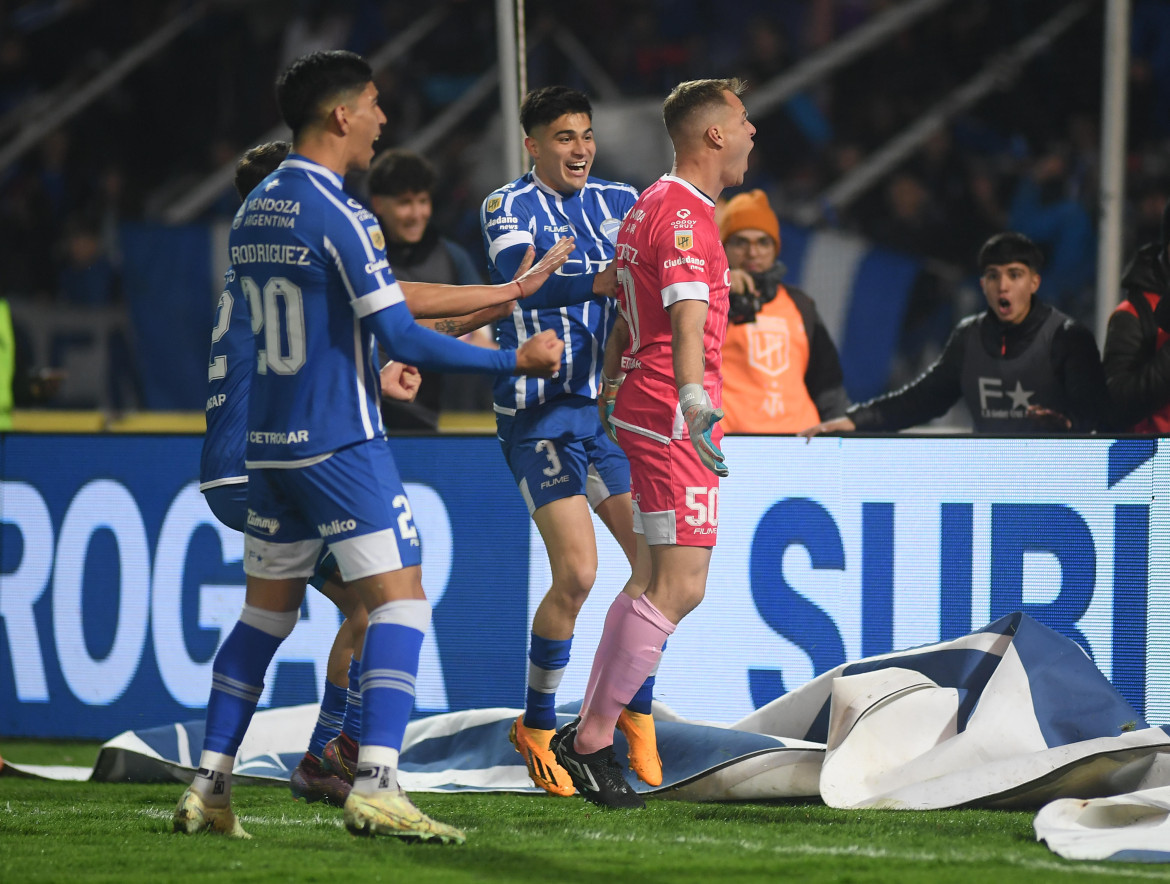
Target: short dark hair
541	106
310	87
258	163
398	171
1009	248
688	97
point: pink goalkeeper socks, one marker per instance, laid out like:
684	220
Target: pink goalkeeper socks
630	647
618	608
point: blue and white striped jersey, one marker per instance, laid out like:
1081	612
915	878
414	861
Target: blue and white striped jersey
529	212
311	262
229	372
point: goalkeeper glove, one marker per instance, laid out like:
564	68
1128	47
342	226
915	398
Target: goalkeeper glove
605	402
701	414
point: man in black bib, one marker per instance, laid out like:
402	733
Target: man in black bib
1022	367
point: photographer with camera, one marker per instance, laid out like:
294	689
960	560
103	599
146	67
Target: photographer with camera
781	372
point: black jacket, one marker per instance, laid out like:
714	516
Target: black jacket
1136	369
823	377
1073	358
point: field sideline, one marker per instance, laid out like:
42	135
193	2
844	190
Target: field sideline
104	832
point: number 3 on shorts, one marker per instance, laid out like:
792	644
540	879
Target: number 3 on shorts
550	451
703	512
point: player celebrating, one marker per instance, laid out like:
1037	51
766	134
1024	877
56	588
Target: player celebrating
224	483
312	266
673	286
223	478
557	450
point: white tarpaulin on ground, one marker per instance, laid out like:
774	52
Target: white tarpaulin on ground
1130	828
1014	715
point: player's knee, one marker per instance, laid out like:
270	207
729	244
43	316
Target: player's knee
357	619
691	598
677	600
571	586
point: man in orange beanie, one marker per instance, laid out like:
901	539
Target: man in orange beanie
780	367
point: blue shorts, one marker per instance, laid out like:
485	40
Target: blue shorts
353	501
560	449
229	504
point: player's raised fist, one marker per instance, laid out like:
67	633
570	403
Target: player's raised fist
540	355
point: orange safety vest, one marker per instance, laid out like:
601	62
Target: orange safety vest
764	363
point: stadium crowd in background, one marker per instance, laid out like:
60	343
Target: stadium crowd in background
1024	158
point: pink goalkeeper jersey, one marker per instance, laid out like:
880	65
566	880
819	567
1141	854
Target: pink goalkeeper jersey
669	250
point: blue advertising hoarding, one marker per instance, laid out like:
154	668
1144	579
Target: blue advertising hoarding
117	584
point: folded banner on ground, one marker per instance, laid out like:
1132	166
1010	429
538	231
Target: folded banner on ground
1014	715
470	751
1126	828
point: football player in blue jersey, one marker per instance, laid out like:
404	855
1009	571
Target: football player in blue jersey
311	264
549	430
223	480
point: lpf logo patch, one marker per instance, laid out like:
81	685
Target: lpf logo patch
768	341
376	237
494	203
684	240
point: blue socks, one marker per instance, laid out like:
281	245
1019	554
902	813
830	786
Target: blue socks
237	675
351	726
394	639
333	710
547	659
644	698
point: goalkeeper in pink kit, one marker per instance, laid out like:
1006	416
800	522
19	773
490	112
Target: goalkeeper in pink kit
661	395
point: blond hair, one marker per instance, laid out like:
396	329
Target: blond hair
695	95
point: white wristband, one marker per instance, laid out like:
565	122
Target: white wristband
690	395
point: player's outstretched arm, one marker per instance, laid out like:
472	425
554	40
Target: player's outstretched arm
532	279
406	341
687	319
836	425
560	290
432	300
457	326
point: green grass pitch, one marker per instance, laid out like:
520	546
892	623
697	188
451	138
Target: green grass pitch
60	831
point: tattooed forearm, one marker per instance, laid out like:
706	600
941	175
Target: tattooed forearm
453	327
